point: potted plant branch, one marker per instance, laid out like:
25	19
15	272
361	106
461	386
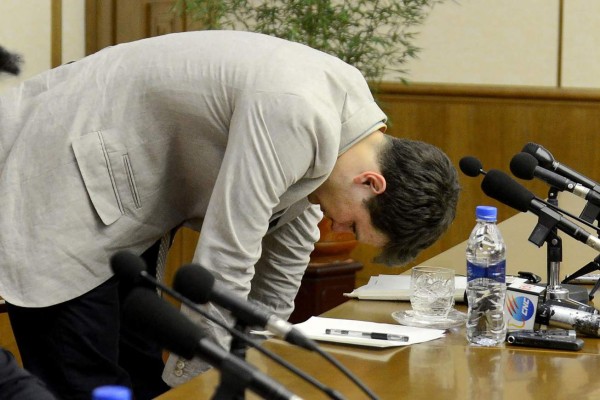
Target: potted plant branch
376	36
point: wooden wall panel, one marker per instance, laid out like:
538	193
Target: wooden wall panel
109	22
146	18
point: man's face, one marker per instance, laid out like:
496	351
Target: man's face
355	179
348	213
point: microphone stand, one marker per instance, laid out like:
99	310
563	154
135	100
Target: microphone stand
546	231
554	256
589	267
231	387
590	213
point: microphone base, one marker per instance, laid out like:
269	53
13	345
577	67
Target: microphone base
555	292
574	292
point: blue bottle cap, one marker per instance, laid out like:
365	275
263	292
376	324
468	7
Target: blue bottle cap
111	393
486	213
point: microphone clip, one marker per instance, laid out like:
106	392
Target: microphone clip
547	221
590	212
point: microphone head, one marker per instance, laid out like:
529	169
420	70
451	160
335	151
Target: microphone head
506	190
147	314
530	148
544	157
194	282
470	166
127	266
523	165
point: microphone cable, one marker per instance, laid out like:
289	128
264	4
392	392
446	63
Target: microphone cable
162	321
346	372
128	265
191	277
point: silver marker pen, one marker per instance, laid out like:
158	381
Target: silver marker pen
371	335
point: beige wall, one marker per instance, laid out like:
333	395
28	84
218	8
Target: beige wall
485	42
26	27
510	42
73	30
581	55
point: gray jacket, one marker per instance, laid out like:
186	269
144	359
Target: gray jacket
220	131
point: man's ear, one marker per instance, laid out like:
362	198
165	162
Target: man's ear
375	180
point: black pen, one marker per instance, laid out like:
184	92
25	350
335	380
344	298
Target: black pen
371	335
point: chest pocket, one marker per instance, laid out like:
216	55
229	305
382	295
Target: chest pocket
105	168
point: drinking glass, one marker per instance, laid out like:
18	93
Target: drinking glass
432	291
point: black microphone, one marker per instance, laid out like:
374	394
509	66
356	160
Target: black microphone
546	160
199	285
471	166
147	313
503	188
131	269
525	166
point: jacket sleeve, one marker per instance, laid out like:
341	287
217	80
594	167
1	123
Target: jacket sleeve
274	142
278	275
285	255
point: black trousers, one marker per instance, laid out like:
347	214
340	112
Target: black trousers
81	344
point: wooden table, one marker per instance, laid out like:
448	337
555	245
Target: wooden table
446	368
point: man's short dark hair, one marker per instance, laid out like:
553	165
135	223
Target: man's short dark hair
419	202
10	62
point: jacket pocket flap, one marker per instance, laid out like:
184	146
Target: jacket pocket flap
94	165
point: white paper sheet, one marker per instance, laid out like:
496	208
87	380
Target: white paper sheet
397	287
315	327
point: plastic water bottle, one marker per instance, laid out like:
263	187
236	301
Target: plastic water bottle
486	280
112	392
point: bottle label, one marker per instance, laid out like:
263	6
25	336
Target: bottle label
496	272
